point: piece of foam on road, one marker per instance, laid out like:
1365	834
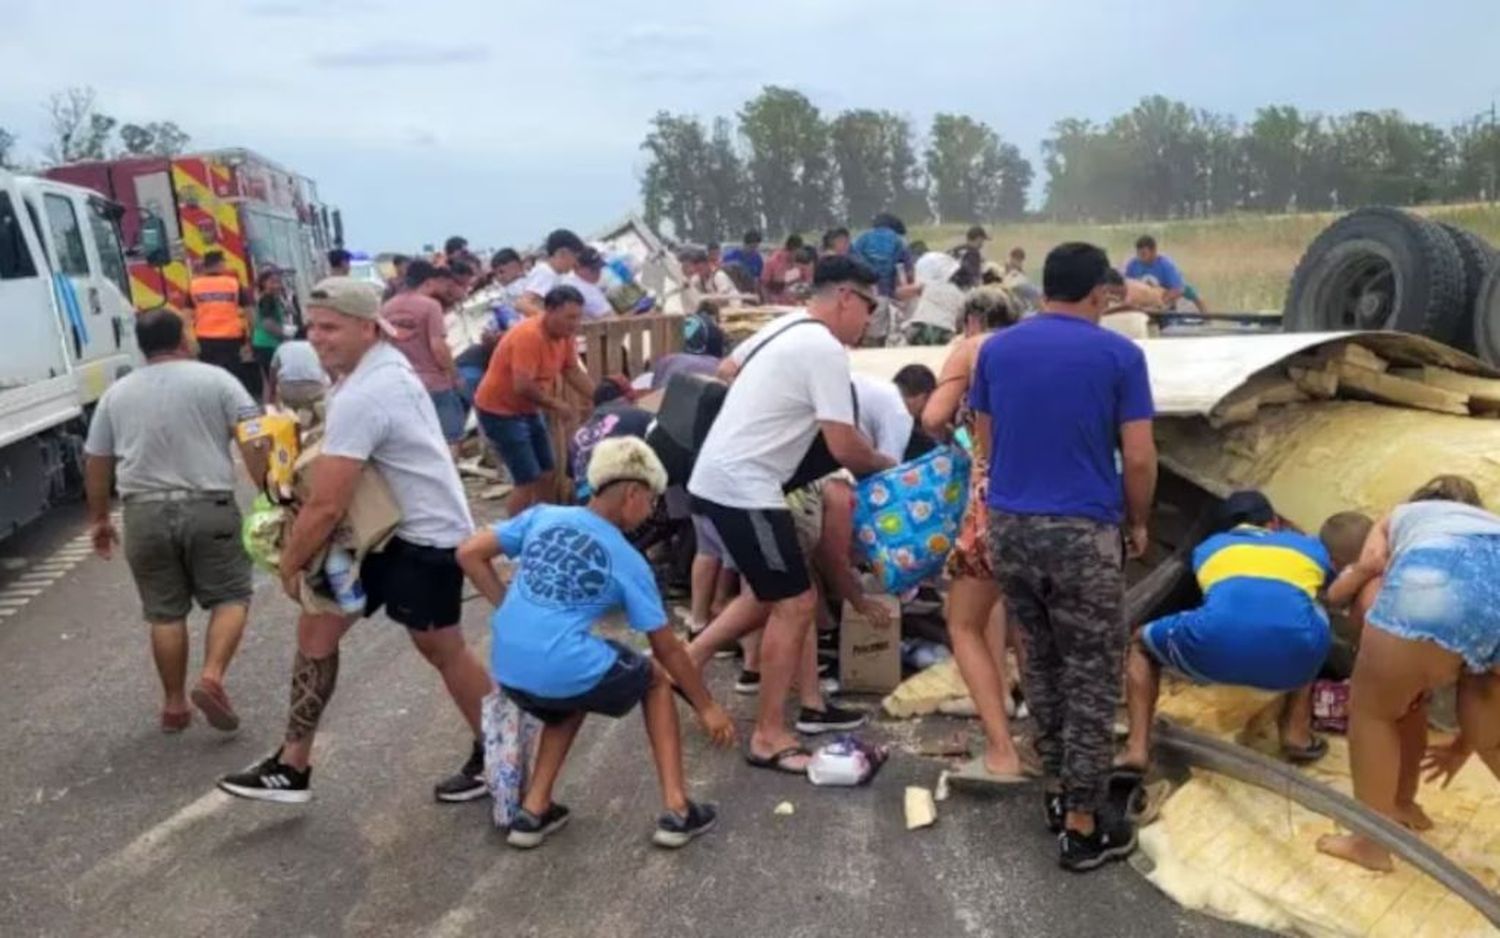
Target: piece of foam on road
1242	853
925	691
921	810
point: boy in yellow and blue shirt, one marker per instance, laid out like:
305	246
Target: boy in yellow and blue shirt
1261	625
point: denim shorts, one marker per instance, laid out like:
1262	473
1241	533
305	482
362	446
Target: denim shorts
451	413
522	443
1447	594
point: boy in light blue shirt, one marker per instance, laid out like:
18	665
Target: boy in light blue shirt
1156	268
573	566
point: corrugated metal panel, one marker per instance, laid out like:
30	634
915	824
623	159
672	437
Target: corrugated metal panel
1191	374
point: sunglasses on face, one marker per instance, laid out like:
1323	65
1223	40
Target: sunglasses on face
871	301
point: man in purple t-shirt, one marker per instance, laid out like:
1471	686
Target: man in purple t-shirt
1057	398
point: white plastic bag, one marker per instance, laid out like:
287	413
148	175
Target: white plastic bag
847	761
510	737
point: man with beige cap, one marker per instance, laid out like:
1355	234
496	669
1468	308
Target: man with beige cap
378	414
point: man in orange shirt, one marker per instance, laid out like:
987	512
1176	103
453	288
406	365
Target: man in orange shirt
221	320
520	387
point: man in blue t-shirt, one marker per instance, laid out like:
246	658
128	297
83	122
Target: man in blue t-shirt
884	249
748	255
1260	625
573	567
1063	406
1157	269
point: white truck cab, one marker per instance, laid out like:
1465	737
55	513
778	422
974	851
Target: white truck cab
67	332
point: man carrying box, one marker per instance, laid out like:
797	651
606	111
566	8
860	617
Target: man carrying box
381	415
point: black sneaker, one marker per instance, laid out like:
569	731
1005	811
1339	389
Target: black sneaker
747	683
677	830
528	831
1113	839
270	780
467	783
828	720
1052	804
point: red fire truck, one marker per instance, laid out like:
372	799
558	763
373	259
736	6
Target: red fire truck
234	201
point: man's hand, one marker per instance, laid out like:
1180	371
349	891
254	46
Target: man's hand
104	536
1138	541
717	725
874	612
1443	762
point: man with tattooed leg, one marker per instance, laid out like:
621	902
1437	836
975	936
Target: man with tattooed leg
378	414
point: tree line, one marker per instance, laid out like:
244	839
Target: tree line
781	165
79	130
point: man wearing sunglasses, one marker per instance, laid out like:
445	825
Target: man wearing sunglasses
791	385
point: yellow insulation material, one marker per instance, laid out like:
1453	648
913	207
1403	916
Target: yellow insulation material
1245	854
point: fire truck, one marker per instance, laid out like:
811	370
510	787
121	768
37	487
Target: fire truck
235	201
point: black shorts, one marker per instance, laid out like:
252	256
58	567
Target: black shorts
622	687
763	544
420	587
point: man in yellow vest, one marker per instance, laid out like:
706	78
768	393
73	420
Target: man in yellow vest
221	319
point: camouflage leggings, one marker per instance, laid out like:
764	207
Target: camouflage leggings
1064	582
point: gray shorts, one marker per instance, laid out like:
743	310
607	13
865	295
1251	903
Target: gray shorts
180	551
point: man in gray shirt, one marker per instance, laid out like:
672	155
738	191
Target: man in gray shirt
379	414
163	434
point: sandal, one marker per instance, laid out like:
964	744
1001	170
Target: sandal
975	773
777	762
1305	755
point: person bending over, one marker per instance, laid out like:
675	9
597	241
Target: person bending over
1260	626
1435	620
574	566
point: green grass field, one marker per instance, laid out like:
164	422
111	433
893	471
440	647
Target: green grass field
1240	263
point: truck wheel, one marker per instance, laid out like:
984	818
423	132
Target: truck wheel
1379	268
1487	319
1478	259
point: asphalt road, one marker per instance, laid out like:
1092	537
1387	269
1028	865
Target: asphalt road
107	827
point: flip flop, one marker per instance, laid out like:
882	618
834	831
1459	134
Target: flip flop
776	762
974	773
1305	755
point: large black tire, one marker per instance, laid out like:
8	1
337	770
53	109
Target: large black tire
1379	268
1487	319
1478	259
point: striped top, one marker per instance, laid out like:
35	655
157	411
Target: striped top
1257	573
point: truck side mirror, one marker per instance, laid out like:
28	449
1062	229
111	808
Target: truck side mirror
152	245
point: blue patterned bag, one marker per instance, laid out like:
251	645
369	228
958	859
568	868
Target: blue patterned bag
510	737
906	518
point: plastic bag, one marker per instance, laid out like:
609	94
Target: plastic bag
510	737
260	532
847	761
906	518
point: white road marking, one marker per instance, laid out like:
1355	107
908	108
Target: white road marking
16	591
137	857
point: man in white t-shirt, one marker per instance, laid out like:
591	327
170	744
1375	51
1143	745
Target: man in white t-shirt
379	415
883	415
791	385
563	248
585	279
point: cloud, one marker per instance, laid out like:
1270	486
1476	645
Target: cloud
403	55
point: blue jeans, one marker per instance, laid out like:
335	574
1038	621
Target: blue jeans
451	413
522	443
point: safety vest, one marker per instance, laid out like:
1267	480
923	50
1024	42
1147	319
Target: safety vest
216	307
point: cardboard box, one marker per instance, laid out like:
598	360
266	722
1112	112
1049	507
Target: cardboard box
870	658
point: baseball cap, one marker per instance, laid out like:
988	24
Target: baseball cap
1246	507
350	297
626	459
977	233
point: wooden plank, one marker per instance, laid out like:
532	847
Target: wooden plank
1480	389
1353	354
1397	390
1318	383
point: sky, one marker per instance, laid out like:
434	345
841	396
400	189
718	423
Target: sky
502	120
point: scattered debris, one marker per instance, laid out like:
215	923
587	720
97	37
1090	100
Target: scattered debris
946	746
472	467
924	692
941	792
499	490
921	811
785	809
